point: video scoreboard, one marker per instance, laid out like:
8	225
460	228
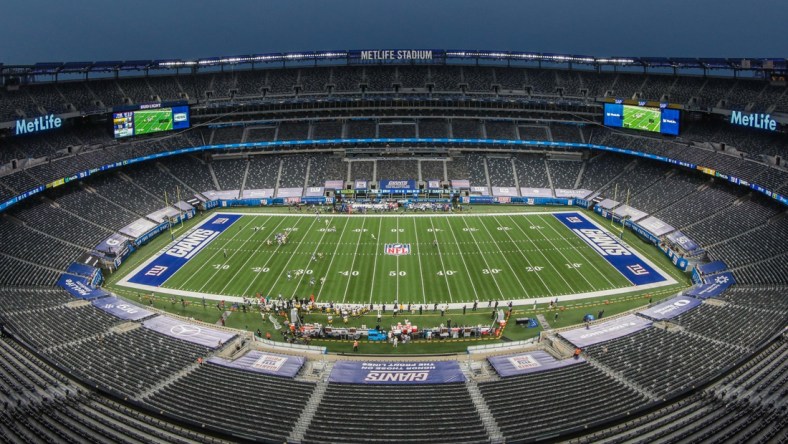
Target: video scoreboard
146	119
645	118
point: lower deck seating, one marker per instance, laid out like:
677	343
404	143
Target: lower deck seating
237	401
352	413
540	404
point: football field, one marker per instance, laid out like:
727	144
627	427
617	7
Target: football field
151	121
421	259
642	118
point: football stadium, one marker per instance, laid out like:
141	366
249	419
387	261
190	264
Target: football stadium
394	245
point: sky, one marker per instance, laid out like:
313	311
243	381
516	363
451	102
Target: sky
89	30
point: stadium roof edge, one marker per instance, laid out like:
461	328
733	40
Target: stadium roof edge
435	56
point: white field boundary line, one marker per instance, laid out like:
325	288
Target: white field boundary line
458	305
454	306
435	214
140	267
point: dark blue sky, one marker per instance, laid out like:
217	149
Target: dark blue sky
86	30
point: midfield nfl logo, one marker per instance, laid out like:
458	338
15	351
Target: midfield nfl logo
397	249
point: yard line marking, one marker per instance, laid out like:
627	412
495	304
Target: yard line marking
527	260
309	264
292	255
319	292
514	273
375	265
443	267
248	258
577	270
353	262
465	265
270	256
604	275
484	258
397	259
548	261
421	270
204	264
254	279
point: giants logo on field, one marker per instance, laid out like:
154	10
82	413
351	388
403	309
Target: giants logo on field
637	270
156	270
397	249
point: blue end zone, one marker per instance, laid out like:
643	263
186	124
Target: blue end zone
625	260
166	264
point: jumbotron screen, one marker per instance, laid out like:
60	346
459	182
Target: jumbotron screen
146	121
657	120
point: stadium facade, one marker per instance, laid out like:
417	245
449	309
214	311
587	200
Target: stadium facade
139	144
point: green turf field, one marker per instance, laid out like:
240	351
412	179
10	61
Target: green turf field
484	257
153	120
641	118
